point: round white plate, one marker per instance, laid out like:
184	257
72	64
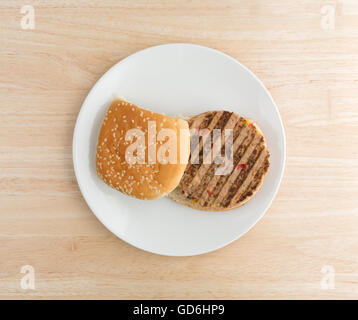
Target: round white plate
176	79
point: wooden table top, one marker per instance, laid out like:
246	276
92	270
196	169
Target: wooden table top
305	52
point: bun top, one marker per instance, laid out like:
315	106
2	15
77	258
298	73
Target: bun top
141	153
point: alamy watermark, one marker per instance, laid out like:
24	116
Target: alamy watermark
328	281
328	17
28	20
167	152
28	280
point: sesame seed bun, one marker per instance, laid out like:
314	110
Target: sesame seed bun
153	178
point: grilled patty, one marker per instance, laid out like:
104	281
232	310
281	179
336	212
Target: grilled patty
201	188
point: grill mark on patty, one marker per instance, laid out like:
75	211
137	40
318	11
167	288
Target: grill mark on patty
215	185
260	160
199	192
243	174
197	182
218	120
239	157
255	181
199	122
249	163
225	189
239	126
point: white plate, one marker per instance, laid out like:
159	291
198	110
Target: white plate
176	79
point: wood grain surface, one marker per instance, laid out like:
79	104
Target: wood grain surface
308	59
